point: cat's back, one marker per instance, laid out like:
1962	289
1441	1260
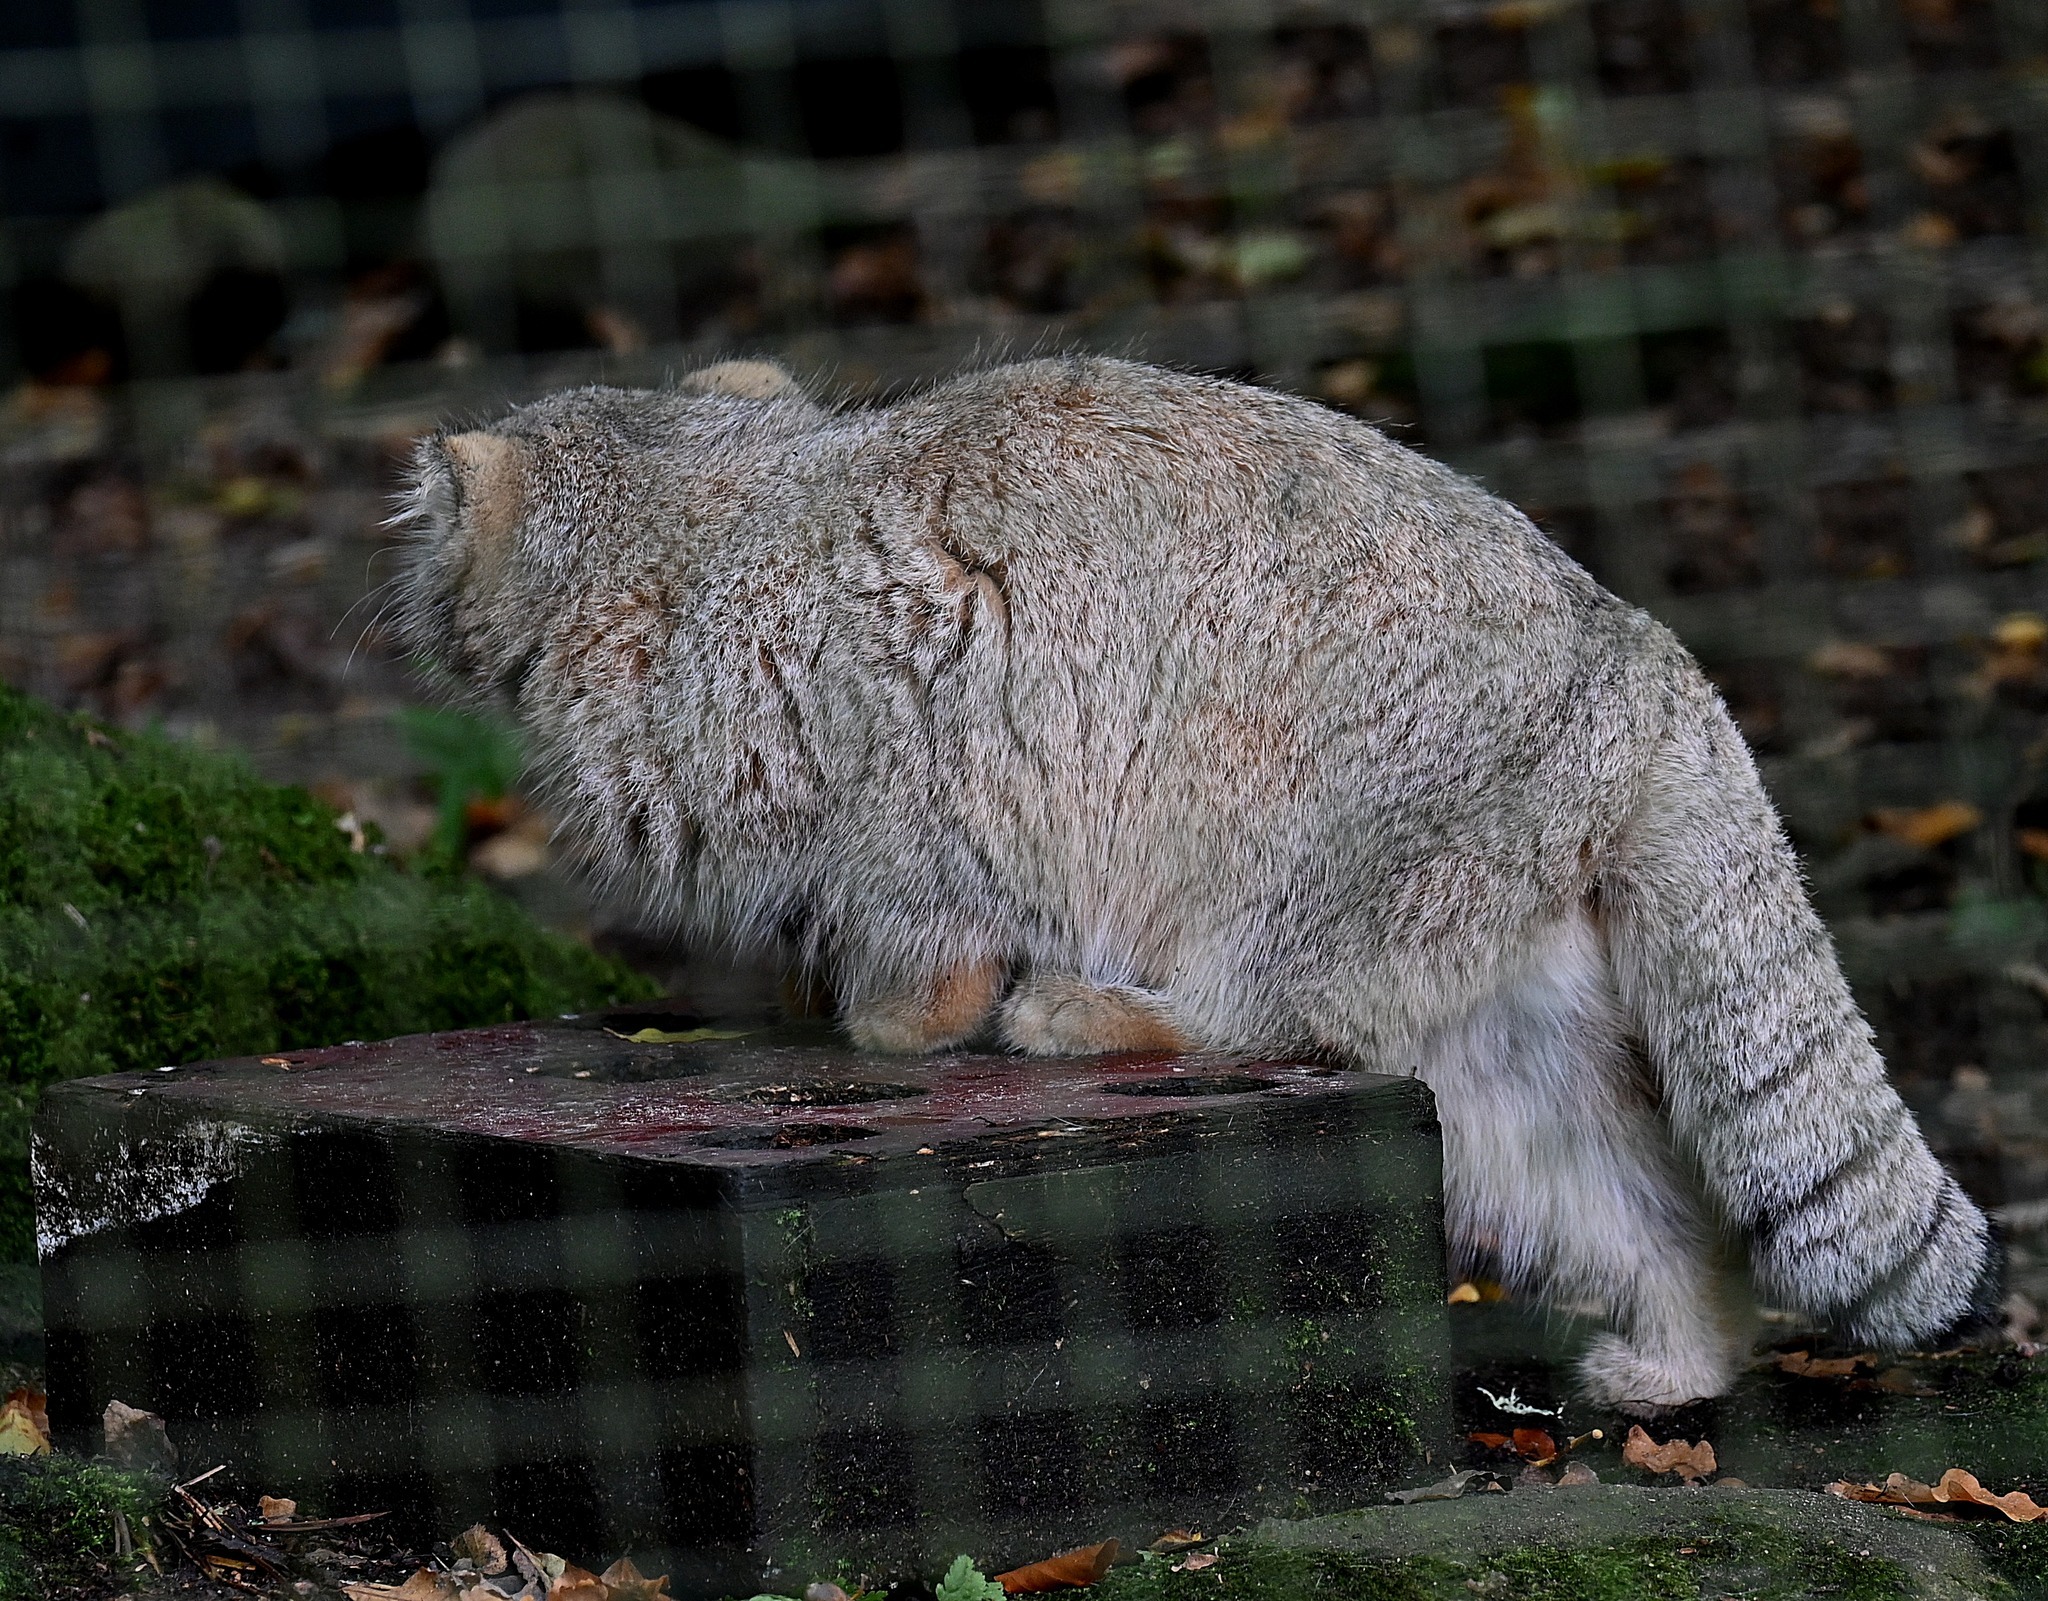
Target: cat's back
1233	601
1099	466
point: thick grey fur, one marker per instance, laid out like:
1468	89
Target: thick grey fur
1182	700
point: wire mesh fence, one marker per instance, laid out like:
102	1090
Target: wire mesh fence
1743	300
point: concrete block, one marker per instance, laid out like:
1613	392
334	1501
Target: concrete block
749	1303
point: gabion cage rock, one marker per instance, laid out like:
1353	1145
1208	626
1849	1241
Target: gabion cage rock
749	1304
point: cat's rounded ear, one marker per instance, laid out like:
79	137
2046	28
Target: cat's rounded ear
749	380
472	484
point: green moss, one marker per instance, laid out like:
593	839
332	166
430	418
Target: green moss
2016	1552
160	904
1789	1567
1765	1564
469	758
1252	1571
58	1521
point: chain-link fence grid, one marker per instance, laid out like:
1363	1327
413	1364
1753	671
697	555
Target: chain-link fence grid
1742	299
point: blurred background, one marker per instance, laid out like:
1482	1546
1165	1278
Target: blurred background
1742	300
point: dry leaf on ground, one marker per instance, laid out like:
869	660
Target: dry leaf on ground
1178	1540
1070	1570
481	1548
24	1424
684	1036
1681	1457
1858	1370
1834	1367
1443	1490
1196	1562
1956	1490
424	1585
1927	826
624	1582
2021	631
576	1584
1531	1445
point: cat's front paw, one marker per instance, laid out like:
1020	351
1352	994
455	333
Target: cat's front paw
1616	1373
1048	1015
948	1010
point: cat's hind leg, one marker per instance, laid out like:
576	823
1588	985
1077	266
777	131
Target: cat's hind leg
1558	1169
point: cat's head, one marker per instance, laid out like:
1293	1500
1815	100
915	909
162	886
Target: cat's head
510	521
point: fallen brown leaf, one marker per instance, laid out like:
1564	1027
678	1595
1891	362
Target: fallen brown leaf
624	1582
1070	1570
1446	1489
1956	1488
538	1568
686	1036
1834	1367
1681	1457
1531	1445
24	1424
482	1549
576	1584
2022	631
1927	826
1178	1540
424	1585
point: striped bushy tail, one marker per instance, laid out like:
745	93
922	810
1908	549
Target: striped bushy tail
1768	1071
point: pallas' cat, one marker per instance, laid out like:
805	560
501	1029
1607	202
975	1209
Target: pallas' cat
1084	706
